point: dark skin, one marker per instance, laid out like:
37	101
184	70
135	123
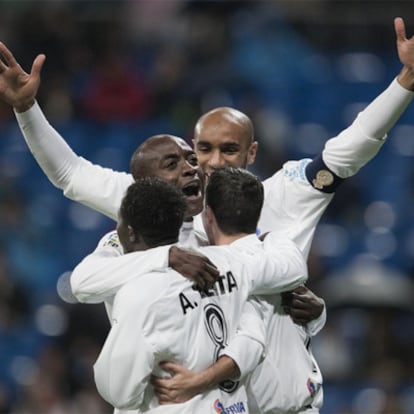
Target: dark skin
211	154
170	158
19	89
165	156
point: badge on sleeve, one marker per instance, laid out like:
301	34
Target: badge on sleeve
321	177
324	178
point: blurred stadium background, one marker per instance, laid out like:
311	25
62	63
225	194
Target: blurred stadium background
119	71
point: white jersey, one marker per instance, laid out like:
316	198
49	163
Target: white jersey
163	317
292	205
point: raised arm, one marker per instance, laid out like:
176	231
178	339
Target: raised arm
92	185
354	147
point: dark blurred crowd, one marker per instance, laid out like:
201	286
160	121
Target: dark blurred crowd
118	72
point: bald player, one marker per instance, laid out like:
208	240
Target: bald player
295	197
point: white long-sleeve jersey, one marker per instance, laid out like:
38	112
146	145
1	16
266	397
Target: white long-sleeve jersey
160	316
292	205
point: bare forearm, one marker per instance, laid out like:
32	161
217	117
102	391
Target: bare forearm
223	369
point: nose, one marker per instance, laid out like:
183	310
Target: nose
190	169
216	160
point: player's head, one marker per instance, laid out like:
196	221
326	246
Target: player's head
224	137
171	159
151	214
233	202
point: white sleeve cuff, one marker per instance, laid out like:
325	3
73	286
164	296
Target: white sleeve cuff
246	352
315	326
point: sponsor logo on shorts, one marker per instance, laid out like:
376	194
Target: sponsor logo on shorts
235	408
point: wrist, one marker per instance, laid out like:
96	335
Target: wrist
206	380
24	106
406	78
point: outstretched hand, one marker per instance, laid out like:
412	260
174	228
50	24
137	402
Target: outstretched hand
18	88
405	48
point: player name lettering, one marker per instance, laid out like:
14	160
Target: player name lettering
225	284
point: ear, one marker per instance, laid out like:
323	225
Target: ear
251	153
209	222
207	215
131	234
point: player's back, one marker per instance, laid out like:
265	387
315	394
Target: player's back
160	317
190	327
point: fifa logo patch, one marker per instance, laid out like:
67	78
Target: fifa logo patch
235	408
313	387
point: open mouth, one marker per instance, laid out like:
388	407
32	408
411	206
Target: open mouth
192	189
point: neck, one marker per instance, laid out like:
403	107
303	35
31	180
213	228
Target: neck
223	239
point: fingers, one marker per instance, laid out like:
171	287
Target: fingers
206	276
8	56
170	367
399	27
37	65
301	289
158	382
163	391
211	274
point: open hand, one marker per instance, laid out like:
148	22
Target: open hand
18	88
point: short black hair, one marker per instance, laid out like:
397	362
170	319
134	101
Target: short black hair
236	198
154	209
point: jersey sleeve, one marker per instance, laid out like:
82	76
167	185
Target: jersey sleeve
292	207
96	187
297	195
315	326
247	350
279	268
124	365
345	154
101	274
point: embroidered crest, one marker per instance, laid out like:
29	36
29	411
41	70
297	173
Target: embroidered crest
323	179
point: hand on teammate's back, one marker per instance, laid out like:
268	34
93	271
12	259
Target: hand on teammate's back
302	305
193	266
180	387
